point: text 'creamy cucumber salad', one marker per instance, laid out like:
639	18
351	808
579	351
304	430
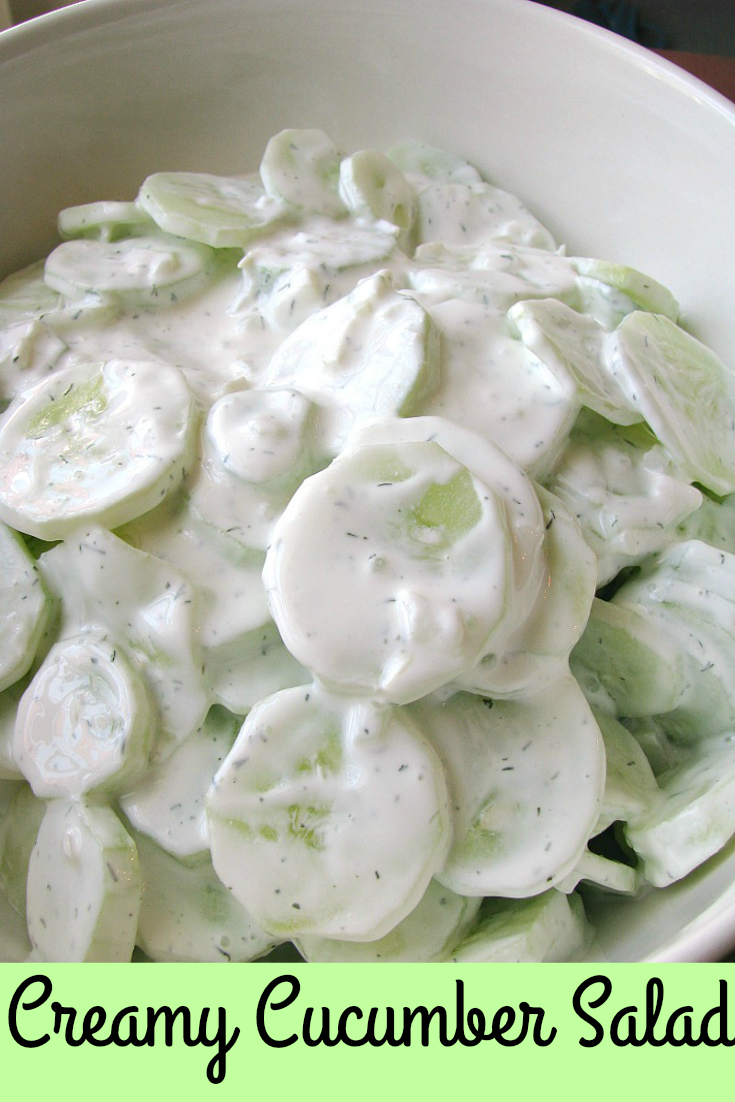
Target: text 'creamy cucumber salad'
368	574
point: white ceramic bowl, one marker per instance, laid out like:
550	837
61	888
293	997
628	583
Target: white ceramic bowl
620	153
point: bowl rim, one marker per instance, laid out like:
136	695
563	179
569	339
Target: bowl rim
84	15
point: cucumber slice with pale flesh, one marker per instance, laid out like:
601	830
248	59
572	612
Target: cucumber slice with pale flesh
85	722
548	927
94	443
301	168
684	392
84	886
329	816
24	608
526	781
415	553
424	936
187	915
221	211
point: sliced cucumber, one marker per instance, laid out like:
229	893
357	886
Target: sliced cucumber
85	722
144	270
371	355
94	443
494	274
167	804
84	886
415	554
9	700
612	876
460	213
24	608
630	786
643	291
685	393
537	653
624	489
426	162
435	925
526	781
188	916
328	817
572	346
688	594
372	188
694	817
263	437
18	832
107	220
549	927
635	659
221	211
491	383
147	605
301	168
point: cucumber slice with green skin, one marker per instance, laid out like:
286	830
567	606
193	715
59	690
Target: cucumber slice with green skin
630	786
302	169
142	270
624	489
24	608
698	615
643	291
549	927
26	295
28	351
9	700
18	833
493	274
635	659
242	673
491	383
85	722
94	443
684	392
167	804
221	211
458	214
329	817
612	876
84	886
188	916
371	355
426	162
373	189
573	346
526	780
231	601
415	553
694	817
537	653
425	936
107	220
145	603
713	523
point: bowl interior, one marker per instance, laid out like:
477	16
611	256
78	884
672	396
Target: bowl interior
620	153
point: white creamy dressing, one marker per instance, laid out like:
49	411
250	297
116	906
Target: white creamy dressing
287	436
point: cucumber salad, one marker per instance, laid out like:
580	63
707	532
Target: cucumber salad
368	574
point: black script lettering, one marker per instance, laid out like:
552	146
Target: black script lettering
13	1010
591	1042
263	1004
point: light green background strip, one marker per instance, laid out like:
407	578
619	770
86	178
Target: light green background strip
255	1070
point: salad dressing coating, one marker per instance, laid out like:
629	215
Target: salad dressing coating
368	573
